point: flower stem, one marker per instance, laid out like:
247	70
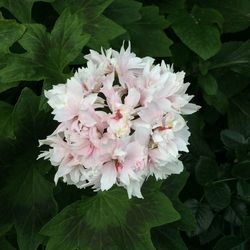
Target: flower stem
224	180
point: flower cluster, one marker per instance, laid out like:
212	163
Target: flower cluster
120	122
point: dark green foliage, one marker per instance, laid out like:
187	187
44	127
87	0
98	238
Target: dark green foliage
206	206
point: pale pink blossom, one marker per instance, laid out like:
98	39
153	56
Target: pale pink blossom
120	121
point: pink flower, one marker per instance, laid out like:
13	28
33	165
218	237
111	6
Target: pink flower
120	122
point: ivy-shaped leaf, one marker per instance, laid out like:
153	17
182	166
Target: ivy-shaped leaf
47	54
109	220
198	30
10	32
101	28
21	9
27	198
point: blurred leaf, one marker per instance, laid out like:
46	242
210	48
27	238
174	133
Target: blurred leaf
219	101
239	114
109	220
198	146
229	243
242	170
6	128
21	9
233	55
170	5
218	195
206	170
181	56
231	83
203	215
197	30
209	84
243	190
5	245
167	238
246	227
232	139
236	213
212	232
235	13
172	188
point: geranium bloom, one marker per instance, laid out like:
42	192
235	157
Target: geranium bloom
120	122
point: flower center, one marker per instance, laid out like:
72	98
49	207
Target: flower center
118	115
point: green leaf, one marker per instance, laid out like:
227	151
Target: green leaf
174	184
243	190
25	114
235	13
150	25
232	139
218	195
170	6
167	238
208	83
203	215
5	245
10	32
21	9
172	187
5	229
212	232
87	10
231	83
30	123
246	227
242	170
197	30
219	101
233	55
47	54
95	24
229	243
236	213
119	11
206	170
27	198
239	114
6	127
99	35
109	220
198	146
